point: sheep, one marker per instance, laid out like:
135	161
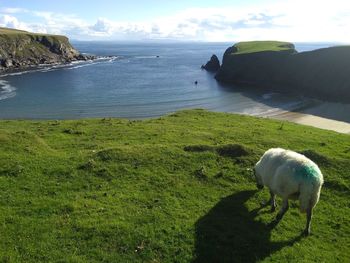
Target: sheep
289	175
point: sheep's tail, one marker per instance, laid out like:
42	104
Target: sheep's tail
309	194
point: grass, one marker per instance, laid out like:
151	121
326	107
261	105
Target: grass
23	44
173	189
4	31
260	46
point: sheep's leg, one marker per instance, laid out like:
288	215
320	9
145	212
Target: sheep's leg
283	210
308	221
272	201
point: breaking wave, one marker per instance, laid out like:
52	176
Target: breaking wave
6	90
71	65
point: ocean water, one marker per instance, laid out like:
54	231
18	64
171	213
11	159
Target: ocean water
133	80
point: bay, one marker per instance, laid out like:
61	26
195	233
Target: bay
135	81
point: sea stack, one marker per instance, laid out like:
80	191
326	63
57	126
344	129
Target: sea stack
213	65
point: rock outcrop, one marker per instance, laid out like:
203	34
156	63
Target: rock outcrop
212	65
322	73
21	49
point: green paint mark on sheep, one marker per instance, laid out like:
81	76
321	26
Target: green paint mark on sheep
307	172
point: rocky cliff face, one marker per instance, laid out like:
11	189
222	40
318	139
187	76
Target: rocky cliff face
19	49
322	74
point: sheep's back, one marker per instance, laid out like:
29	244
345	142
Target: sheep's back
283	171
290	176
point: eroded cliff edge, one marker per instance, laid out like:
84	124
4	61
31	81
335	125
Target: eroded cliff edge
21	49
277	66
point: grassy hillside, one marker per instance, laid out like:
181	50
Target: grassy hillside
173	189
5	30
260	46
11	32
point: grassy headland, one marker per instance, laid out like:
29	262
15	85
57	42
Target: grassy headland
7	31
20	49
277	66
261	46
172	189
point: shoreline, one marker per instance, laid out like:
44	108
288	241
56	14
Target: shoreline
323	115
318	114
37	67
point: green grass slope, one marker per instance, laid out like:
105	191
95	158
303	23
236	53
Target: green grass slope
4	31
260	46
172	189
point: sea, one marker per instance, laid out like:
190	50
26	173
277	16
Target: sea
134	80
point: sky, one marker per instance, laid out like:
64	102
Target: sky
183	20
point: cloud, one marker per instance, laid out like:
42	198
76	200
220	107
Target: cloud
103	28
13	10
12	22
290	20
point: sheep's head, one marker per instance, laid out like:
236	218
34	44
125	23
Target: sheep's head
258	180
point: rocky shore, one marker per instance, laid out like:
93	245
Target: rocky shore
21	49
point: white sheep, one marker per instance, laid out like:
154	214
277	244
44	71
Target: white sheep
290	175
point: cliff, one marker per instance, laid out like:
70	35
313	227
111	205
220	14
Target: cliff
20	49
277	66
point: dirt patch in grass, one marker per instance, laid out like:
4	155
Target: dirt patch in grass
199	148
232	150
227	150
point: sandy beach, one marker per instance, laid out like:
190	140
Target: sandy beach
324	115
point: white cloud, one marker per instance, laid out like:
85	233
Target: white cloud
12	22
103	27
13	10
290	20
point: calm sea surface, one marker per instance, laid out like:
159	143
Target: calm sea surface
132	80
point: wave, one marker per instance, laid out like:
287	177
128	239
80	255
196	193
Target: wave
80	66
107	58
6	90
112	59
99	60
56	66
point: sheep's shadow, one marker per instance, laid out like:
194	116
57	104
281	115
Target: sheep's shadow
229	233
